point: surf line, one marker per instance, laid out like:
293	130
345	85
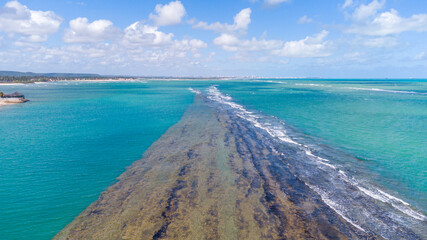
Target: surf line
280	133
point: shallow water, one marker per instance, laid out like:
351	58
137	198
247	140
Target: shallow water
328	172
73	139
69	143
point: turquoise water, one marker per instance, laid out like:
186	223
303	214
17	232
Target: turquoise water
59	151
383	123
68	144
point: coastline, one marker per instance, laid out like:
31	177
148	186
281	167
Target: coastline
112	80
213	176
66	80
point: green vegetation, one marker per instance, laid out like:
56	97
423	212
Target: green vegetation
22	79
32	79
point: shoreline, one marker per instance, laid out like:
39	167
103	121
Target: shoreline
65	80
145	79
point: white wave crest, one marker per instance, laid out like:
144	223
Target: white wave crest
215	95
386	90
278	132
270	81
334	206
311	84
397	203
195	91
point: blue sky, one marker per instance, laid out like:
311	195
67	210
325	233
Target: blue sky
277	38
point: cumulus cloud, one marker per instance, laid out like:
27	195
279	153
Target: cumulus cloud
421	56
390	22
177	54
231	43
380	42
169	14
274	2
241	22
83	31
304	19
230	40
34	26
308	47
196	43
347	3
364	12
145	43
140	34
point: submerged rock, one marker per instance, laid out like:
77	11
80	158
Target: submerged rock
211	176
13	98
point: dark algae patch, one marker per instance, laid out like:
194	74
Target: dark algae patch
212	176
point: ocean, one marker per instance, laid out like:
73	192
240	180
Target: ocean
71	141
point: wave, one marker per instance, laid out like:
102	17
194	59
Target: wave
270	81
340	192
311	84
386	90
194	91
363	89
336	207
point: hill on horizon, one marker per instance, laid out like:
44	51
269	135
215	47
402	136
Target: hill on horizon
32	74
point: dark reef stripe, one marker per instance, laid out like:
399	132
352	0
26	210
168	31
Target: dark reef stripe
215	176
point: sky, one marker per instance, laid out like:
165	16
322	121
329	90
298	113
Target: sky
263	38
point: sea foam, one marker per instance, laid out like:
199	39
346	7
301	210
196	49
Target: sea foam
338	177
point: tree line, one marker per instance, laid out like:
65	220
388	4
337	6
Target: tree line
32	79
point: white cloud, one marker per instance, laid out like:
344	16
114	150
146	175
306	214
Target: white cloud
82	31
196	43
188	45
177	54
169	14
35	26
241	22
390	22
304	19
274	2
306	48
181	48
227	41
353	57
145	43
96	51
380	42
139	34
231	43
230	40
421	56
347	3
364	12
